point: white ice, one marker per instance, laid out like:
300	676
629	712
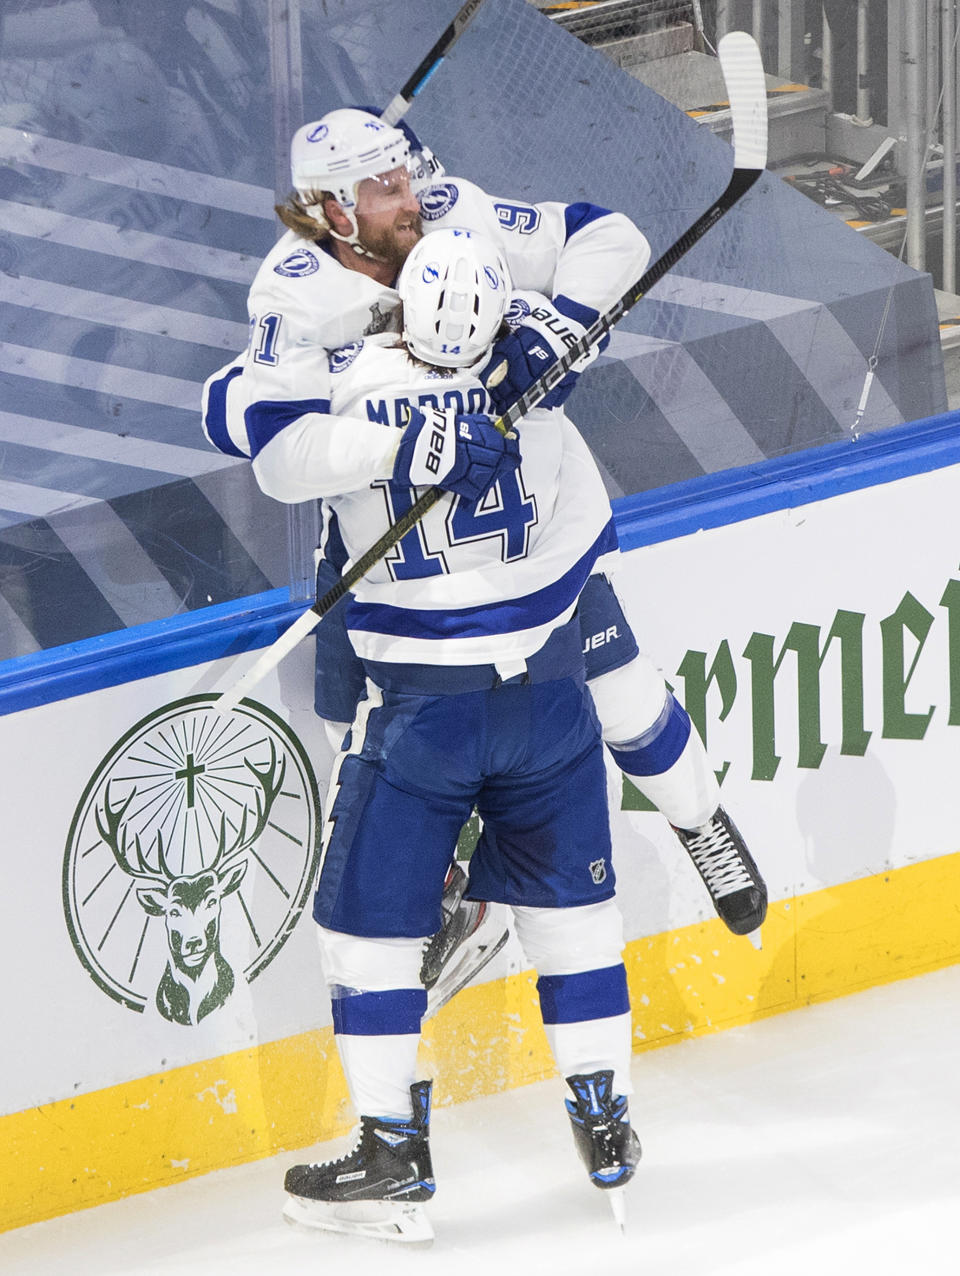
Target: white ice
823	1142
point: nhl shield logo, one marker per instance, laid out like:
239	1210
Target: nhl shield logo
598	871
190	856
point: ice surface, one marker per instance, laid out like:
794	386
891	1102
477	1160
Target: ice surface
816	1143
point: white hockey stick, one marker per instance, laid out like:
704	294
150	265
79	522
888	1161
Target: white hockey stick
747	91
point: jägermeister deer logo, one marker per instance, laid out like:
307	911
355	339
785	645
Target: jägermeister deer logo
190	856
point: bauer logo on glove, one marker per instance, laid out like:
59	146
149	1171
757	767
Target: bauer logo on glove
541	333
467	459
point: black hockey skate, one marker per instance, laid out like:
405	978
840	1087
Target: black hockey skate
472	933
607	1144
729	873
376	1189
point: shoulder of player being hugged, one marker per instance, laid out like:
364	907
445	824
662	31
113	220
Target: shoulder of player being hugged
367	367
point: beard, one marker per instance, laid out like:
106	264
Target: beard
392	244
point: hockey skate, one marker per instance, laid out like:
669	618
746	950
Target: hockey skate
472	933
607	1143
375	1190
729	873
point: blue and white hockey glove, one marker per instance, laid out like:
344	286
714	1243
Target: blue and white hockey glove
542	332
460	452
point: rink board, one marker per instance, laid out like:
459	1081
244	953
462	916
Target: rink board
807	612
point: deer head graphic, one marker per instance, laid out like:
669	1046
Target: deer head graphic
198	978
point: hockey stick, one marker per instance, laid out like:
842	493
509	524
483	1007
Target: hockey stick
398	106
746	89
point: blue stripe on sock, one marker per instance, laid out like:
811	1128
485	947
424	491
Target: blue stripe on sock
379	1014
658	748
591	994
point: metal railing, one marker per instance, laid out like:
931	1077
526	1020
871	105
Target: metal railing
607	20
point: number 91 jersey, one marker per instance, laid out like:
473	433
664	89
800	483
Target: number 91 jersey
475	582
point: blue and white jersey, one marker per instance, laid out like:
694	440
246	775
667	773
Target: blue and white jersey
302	300
475	582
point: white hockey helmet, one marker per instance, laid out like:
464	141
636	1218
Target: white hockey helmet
454	287
336	153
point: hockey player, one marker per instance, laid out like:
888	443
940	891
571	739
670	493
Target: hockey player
359	205
475	696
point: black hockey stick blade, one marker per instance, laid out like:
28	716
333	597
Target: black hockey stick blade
743	75
746	88
398	106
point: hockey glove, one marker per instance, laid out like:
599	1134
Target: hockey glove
462	453
542	331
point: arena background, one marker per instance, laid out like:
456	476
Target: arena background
137	201
798	587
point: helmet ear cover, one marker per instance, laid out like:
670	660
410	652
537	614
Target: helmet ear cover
454	287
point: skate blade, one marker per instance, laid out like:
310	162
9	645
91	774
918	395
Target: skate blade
460	974
618	1206
756	938
378	1220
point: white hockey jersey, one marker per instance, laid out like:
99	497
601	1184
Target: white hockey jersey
474	582
302	299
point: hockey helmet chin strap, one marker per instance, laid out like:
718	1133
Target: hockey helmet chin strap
352	239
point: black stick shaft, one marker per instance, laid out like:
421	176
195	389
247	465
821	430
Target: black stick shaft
400	104
739	184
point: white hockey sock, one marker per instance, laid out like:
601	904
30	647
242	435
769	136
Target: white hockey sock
576	952
593	1044
380	1071
687	793
378	1003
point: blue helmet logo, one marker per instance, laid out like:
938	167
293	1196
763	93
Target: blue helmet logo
430	274
493	279
318	134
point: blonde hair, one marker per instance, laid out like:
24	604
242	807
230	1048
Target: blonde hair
299	214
